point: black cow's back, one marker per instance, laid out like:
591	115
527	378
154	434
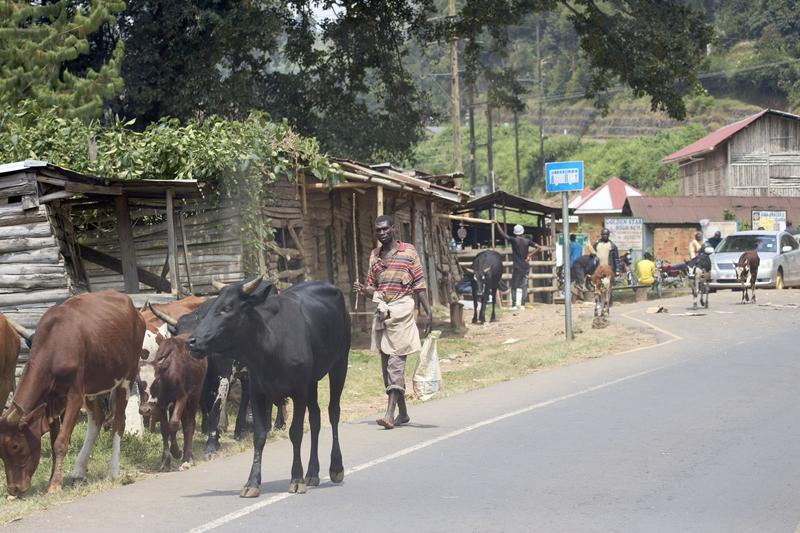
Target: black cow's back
327	321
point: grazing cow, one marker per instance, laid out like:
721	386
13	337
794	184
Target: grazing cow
9	353
86	351
747	266
699	269
602	281
487	271
288	342
218	376
177	387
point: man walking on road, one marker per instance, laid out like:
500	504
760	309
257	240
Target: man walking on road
519	274
396	281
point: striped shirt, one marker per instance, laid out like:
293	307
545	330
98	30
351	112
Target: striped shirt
399	274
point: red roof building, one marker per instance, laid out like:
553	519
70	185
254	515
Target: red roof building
756	156
606	199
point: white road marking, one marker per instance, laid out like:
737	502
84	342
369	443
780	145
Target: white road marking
235	515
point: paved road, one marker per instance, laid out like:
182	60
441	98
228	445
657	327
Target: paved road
699	433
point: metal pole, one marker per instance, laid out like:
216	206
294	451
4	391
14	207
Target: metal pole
541	95
567	281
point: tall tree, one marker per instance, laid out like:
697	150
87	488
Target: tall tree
43	49
341	70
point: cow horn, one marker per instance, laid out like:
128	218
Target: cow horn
250	286
24	333
164	316
13	415
218	284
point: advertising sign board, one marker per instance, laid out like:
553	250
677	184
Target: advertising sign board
626	233
769	220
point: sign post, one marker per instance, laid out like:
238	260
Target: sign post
564	177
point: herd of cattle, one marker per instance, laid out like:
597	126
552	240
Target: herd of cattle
94	349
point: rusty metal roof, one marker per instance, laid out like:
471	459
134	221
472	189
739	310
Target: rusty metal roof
691	209
713	139
500	199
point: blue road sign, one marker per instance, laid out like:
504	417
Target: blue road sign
564	176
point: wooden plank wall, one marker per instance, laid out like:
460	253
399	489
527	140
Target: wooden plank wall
214	243
764	161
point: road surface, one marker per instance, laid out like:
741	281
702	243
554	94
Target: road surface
698	433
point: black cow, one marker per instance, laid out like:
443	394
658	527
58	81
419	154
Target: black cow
487	271
217	379
288	342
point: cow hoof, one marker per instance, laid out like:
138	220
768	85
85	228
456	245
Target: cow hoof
250	492
164	467
209	456
297	486
175	451
280	427
474	320
10	498
337	477
312	481
185	466
52	489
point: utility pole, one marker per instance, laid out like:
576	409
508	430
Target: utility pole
473	171
541	95
489	147
516	150
455	97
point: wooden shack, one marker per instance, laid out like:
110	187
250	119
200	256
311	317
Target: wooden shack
42	258
756	156
318	231
542	278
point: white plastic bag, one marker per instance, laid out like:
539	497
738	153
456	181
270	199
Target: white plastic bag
427	376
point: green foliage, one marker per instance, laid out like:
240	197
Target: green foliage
238	157
637	161
41	46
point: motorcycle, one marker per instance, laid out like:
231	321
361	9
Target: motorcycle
670	275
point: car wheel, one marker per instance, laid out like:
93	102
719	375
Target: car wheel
779	280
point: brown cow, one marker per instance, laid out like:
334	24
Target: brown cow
602	280
748	266
85	350
177	388
156	330
9	353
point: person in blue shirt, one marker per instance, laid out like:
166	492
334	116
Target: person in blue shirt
575	249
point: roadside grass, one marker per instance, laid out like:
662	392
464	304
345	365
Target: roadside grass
485	356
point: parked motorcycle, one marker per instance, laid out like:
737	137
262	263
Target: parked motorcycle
670	275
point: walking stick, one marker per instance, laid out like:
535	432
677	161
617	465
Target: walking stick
355	246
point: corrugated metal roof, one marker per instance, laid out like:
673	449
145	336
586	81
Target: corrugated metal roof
692	209
712	140
608	198
498	199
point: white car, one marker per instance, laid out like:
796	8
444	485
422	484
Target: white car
778	251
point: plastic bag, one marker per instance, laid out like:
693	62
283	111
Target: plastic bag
427	376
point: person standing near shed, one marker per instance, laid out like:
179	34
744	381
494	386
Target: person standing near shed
519	275
395	282
575	249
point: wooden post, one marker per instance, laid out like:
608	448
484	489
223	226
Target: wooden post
172	244
126	246
380	200
186	255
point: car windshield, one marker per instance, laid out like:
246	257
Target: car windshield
743	243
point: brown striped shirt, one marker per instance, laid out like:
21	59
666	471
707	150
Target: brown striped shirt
397	275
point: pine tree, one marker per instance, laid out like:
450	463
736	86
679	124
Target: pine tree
44	46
